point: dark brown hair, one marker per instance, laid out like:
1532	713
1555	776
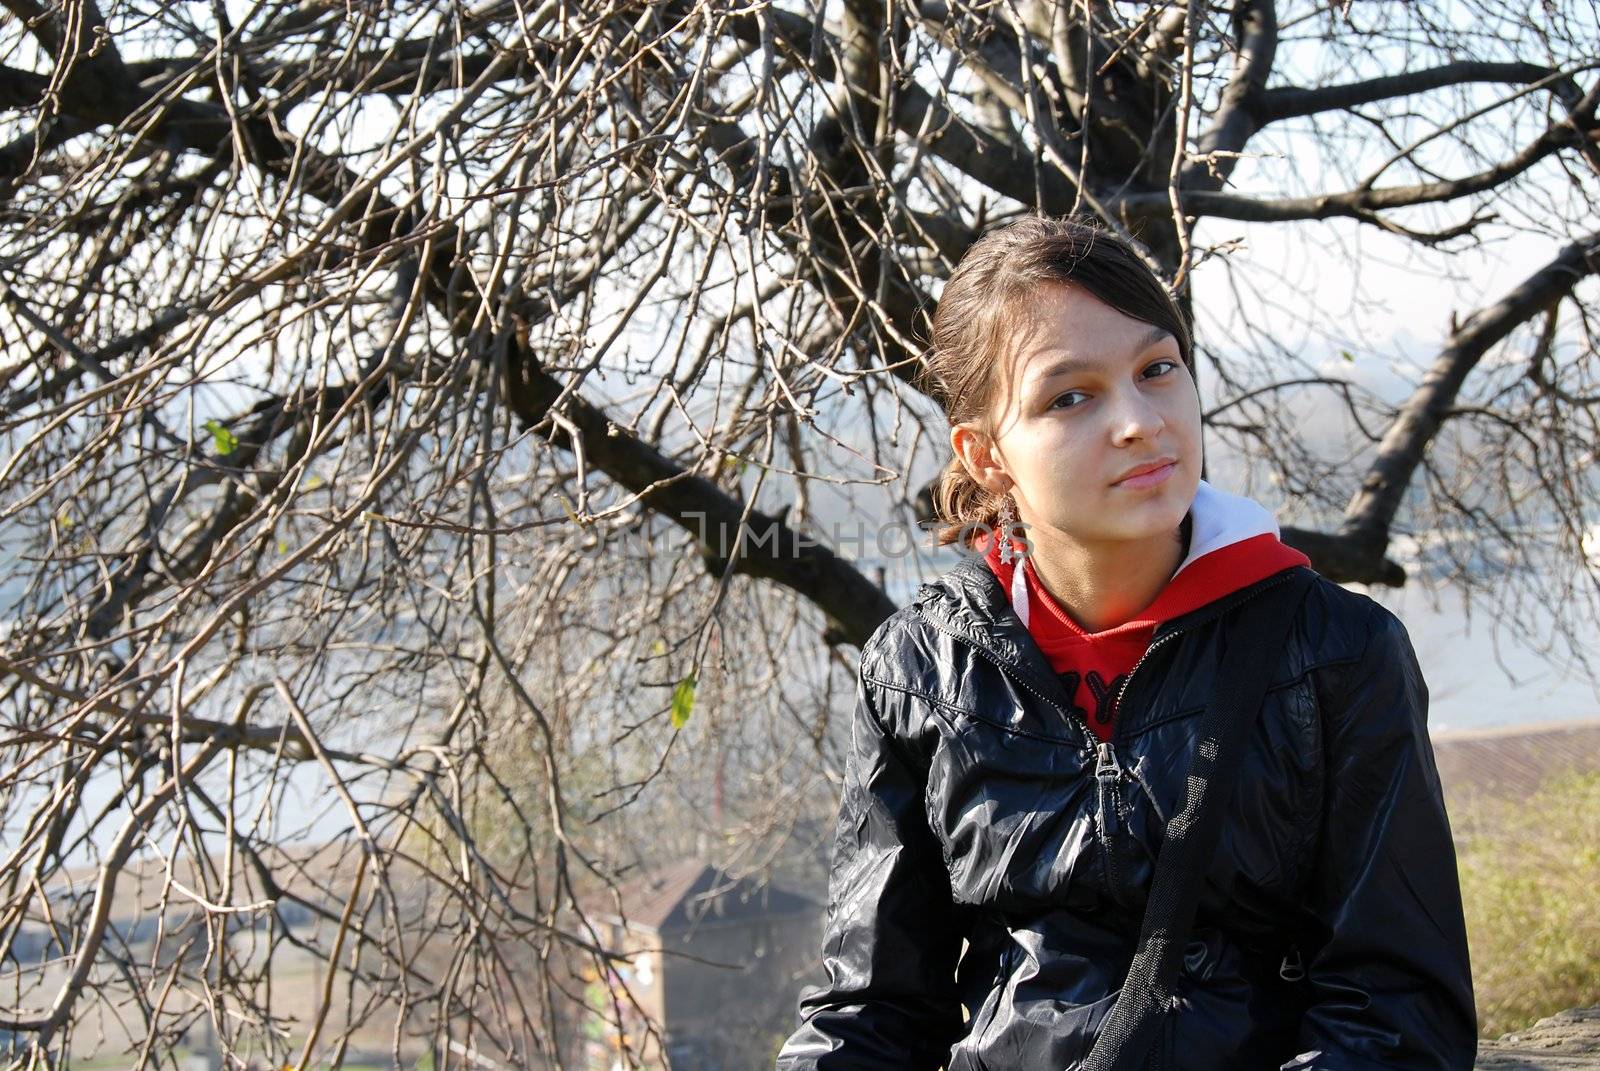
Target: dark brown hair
979	310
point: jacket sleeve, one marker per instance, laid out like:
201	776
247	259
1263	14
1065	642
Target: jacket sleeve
1391	984
891	939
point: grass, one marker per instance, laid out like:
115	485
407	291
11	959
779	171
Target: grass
1530	885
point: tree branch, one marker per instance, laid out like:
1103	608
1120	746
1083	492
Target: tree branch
1356	204
1238	116
1287	102
1371	513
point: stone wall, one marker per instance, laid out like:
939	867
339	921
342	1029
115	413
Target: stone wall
1563	1042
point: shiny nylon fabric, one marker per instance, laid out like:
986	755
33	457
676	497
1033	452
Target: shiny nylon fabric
971	810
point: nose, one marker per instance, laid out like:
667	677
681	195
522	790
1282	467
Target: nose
1135	416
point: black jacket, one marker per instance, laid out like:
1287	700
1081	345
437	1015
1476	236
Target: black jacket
977	805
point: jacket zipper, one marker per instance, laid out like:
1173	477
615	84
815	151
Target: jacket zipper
1105	750
1108	755
1107	768
1107	775
1105	757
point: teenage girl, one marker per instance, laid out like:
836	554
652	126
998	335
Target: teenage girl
1023	729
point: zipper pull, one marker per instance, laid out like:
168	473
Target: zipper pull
1292	970
1105	766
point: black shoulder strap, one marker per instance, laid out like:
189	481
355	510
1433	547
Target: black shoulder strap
1253	645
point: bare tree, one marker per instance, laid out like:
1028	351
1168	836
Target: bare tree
394	391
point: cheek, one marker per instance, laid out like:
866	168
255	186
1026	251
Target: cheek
1183	412
1062	456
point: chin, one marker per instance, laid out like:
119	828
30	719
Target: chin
1154	515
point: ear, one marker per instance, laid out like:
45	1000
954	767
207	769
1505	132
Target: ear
979	456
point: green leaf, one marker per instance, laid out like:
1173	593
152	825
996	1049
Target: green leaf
1348	356
659	647
566	507
65	521
682	701
221	438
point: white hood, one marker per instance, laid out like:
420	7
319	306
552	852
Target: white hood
1221	519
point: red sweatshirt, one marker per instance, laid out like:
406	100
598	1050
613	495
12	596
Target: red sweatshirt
1233	542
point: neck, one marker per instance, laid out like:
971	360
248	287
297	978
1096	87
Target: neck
1103	585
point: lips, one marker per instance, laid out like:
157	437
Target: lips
1146	474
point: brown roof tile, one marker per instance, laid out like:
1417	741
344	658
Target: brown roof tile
689	892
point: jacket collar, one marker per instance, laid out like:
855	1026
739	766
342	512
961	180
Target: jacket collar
968	602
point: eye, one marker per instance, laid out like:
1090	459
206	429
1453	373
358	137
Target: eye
1162	367
1069	393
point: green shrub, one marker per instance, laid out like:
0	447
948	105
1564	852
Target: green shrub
1530	884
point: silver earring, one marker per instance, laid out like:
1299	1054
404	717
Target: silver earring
1008	521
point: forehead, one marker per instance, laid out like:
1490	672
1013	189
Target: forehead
1067	329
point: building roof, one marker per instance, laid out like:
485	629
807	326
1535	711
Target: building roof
692	892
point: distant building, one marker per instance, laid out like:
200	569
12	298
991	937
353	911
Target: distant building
716	963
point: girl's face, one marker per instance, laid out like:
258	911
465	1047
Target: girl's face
1089	394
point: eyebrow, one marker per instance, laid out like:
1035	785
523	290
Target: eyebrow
1083	364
